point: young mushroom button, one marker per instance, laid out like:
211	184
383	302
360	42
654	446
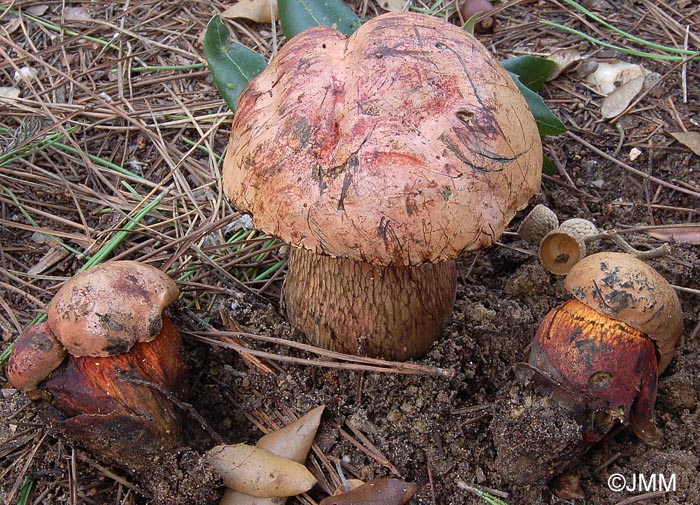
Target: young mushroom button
380	158
35	355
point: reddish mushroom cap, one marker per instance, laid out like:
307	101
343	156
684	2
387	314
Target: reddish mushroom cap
405	143
106	309
35	355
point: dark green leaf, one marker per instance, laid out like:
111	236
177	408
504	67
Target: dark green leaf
548	166
533	71
232	65
547	122
299	15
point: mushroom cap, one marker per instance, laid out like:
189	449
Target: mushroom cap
403	144
625	288
35	355
104	310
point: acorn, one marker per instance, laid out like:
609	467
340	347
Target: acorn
602	352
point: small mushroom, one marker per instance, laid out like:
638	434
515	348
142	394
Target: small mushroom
35	355
104	310
593	366
603	351
627	289
381	158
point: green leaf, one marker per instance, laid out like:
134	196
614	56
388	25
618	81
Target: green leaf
470	24
547	122
548	166
232	65
533	71
299	15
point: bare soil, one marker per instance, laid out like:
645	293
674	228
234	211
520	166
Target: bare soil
437	432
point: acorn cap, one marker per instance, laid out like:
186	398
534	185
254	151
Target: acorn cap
565	246
582	227
625	288
403	144
104	310
539	221
560	250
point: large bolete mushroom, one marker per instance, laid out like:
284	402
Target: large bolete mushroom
380	158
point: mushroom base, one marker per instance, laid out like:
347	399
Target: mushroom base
358	308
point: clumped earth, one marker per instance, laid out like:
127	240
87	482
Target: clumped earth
440	433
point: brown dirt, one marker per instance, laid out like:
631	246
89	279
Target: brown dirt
436	432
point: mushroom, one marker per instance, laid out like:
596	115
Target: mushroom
593	366
603	351
36	354
381	158
115	386
100	312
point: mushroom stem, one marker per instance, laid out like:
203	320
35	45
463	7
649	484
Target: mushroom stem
355	307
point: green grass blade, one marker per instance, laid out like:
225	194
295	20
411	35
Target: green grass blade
627	35
31	221
100	255
624	50
119	236
56	28
27	485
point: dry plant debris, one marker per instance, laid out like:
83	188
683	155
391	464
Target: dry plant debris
111	149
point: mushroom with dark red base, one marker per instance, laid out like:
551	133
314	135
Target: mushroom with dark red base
107	365
595	362
380	158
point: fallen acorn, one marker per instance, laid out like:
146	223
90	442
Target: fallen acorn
561	246
482	8
602	352
258	472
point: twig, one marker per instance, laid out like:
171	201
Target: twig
631	169
642	498
358	363
482	492
656	252
117	478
